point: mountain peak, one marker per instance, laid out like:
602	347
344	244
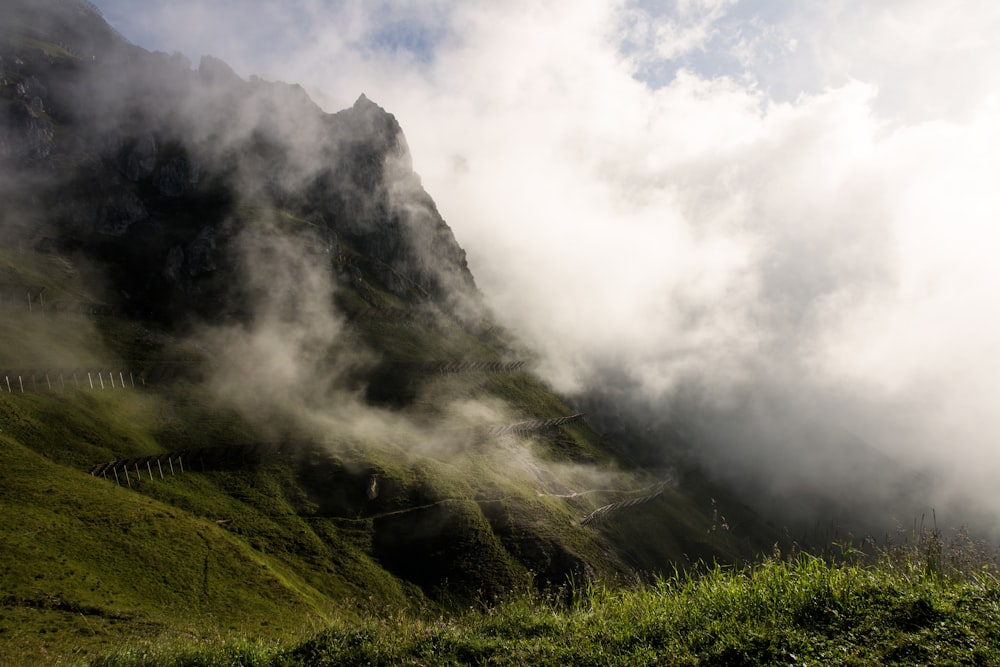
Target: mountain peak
365	107
166	147
216	70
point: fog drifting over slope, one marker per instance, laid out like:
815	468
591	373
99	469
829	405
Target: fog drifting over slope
789	214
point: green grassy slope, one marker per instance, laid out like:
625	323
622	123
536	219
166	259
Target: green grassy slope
378	490
282	543
902	609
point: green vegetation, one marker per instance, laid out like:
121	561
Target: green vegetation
276	548
903	609
356	504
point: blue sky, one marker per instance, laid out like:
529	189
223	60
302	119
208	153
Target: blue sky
719	192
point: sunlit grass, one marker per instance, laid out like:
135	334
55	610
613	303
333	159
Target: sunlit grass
900	609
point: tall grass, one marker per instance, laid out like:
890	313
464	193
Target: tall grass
921	604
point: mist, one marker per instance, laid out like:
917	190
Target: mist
225	217
769	229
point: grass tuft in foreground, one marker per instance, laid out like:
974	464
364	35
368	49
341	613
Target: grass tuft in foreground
906	608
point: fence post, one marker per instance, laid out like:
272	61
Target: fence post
91	380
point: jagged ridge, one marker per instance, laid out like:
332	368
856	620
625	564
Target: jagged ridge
196	205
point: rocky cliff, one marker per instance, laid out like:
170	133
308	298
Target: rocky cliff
206	275
156	167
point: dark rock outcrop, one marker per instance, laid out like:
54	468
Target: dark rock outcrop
26	132
147	152
141	160
123	210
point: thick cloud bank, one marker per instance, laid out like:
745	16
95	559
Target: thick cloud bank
783	219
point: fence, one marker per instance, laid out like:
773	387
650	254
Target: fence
21	297
601	512
454	367
14	380
226	457
53	379
530	426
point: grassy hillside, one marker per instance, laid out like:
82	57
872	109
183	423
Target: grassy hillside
282	534
908	607
237	407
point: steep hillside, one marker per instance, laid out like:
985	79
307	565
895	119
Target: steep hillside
246	378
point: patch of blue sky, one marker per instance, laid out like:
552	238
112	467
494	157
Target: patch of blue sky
707	63
416	39
738	40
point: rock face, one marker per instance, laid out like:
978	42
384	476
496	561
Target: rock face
141	160
139	149
176	177
378	204
25	131
123	210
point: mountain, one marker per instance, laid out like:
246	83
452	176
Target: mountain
247	380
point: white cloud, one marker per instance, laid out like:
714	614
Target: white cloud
930	59
826	215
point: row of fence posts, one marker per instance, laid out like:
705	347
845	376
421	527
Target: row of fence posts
521	428
149	468
32	300
121	384
454	367
37	304
204	456
631	502
40	301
